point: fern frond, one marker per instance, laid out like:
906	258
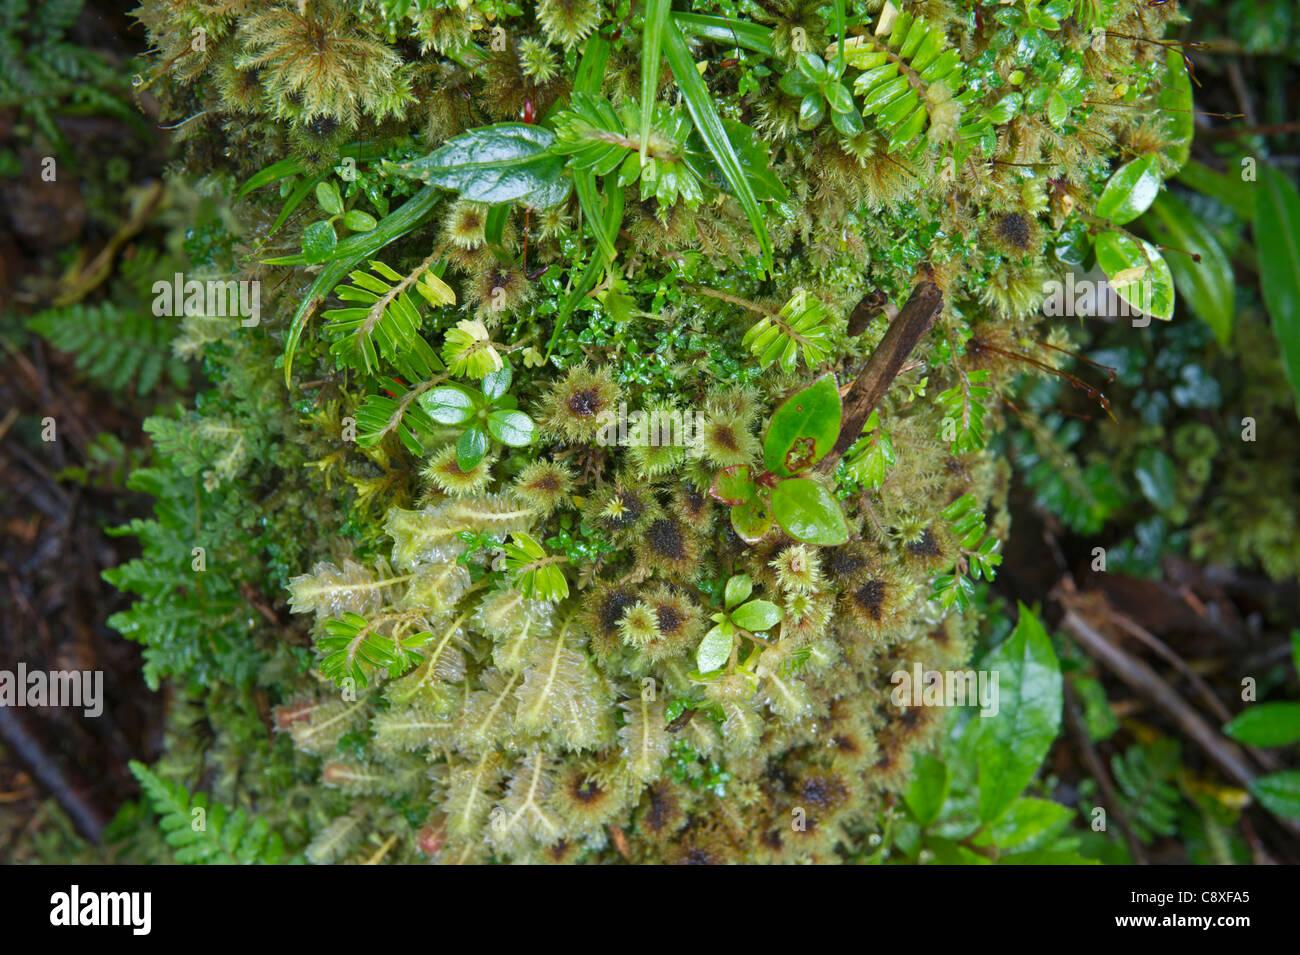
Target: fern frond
963	412
801	328
386	322
207	834
113	346
354	648
1145	776
903	61
469	350
534	572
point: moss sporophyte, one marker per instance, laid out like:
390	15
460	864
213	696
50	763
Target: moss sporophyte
482	230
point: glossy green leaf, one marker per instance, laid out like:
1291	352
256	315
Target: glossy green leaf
327	195
808	512
1277	239
714	650
318	241
728	31
1157	478
359	221
506	162
1206	286
757	616
752	519
803	428
497	383
1131	190
1012	744
449	404
1266	724
1279	793
1138	273
511	427
737	591
1029	824
733	485
471	448
1175	100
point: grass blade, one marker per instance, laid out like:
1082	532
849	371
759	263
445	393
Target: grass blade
728	31
656	22
705	115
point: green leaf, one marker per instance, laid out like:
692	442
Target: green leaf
1029	824
327	194
359	221
1011	745
1266	724
506	162
804	428
1279	793
714	650
1206	286
1131	190
1277	239
349	252
927	789
728	31
737	591
1175	100
497	383
809	513
471	448
449	404
711	129
1157	478
752	519
318	241
652	38
511	427
733	485
1138	273
757	616
534	572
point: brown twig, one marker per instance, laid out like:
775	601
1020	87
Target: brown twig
1147	683
912	324
1092	760
70	794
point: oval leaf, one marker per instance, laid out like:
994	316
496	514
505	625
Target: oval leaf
809	513
714	650
1131	190
804	428
448	405
511	427
471	448
757	616
1207	285
1267	724
506	162
1138	273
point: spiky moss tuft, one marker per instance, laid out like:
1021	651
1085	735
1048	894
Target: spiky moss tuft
543	485
568	22
499	290
667	547
444	471
579	406
464	224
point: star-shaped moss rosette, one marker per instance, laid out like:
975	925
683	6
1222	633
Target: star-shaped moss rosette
740	617
802	431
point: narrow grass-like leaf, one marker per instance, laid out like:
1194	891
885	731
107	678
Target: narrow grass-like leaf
1277	237
727	30
709	125
656	21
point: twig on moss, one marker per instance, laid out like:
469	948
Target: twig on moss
912	324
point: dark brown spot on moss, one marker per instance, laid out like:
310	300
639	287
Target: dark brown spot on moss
925	545
586	791
870	598
612	609
586	403
547	482
670	619
1013	229
724	437
666	539
841	563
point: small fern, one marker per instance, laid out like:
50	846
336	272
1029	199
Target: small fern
903	63
354	647
1150	798
964	408
387	321
535	573
207	834
802	327
114	346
